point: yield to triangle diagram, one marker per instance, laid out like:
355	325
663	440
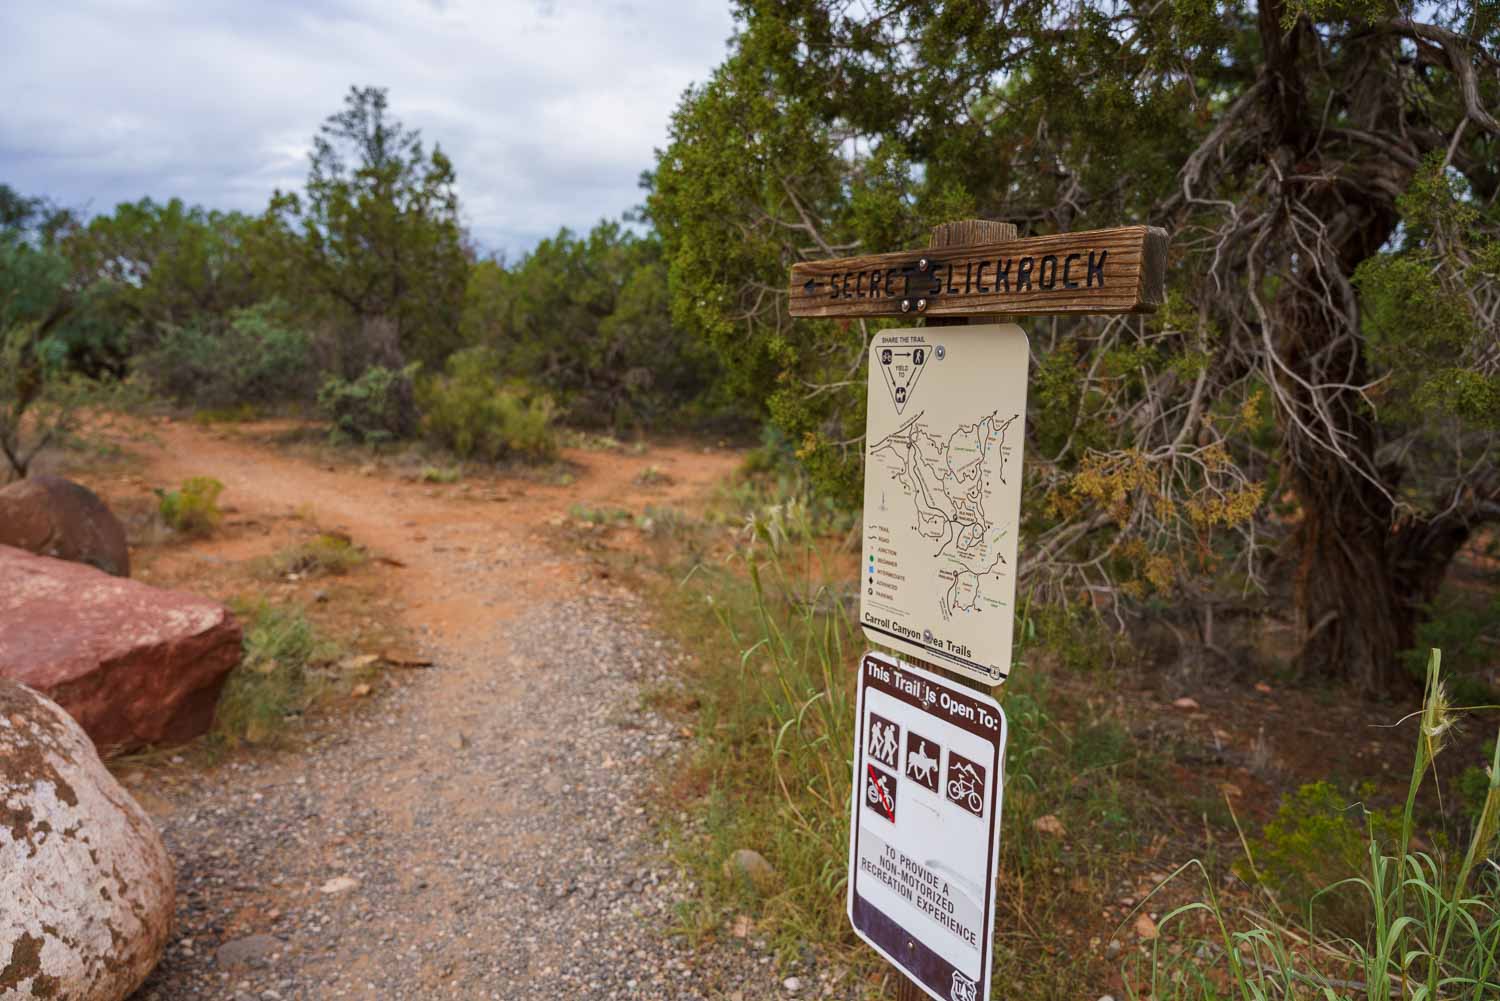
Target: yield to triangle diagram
902	367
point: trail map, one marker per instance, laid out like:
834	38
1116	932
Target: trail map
942	493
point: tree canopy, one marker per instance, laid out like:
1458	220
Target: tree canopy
1328	171
376	230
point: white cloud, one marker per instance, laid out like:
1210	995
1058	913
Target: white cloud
549	110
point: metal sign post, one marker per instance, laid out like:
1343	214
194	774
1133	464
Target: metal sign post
941	518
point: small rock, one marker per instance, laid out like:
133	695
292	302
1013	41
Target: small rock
250	950
1048	824
339	884
792	984
743	926
356	663
752	867
1186	702
360	690
1112	948
1263	688
1145	927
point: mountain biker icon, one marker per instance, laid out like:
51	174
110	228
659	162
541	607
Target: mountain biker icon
880	793
965	785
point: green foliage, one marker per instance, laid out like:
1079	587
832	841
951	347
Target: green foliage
1319	837
599	515
193	508
777	725
433	474
46	323
1430	930
1468	627
469	410
586	318
1473	787
376	234
772	691
1250	135
379	406
171	265
273	682
257	357
775	488
32	219
1424	329
328	554
38	405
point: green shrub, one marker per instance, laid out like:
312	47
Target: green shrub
1431	931
273	683
328	554
193	509
379	406
1318	837
435	474
470	411
1467	627
256	357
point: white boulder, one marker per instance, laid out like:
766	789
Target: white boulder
86	886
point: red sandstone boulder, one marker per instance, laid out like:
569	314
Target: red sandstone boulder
50	516
133	664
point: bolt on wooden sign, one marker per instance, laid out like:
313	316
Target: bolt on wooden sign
924	828
1098	271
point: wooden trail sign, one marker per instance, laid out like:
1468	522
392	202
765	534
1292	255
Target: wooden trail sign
1101	271
974	271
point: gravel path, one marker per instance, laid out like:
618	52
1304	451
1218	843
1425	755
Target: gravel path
480	829
481	833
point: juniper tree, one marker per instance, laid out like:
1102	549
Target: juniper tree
376	231
1326	367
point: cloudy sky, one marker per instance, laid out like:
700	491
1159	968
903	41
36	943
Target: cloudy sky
549	109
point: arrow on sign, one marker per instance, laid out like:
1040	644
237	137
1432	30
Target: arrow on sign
810	286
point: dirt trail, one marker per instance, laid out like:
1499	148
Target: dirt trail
429	529
479	829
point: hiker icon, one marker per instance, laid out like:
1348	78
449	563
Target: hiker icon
884	741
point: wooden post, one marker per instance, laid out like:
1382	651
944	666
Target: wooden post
957	234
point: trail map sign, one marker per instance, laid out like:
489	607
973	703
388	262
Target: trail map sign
924	829
946	419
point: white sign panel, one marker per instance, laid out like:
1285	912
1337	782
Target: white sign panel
947	416
924	830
